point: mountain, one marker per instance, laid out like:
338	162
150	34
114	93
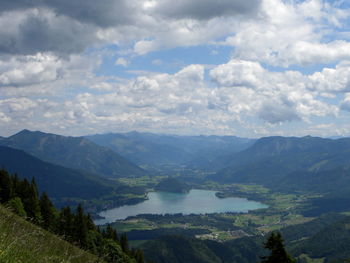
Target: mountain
57	181
73	152
156	149
272	158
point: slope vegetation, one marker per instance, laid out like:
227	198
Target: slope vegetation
21	241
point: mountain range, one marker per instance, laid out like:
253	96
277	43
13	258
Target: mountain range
56	180
272	158
73	152
149	149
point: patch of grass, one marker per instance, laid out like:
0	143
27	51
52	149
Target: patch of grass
145	181
134	224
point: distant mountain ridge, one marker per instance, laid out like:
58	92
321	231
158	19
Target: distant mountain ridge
57	181
157	149
73	152
278	161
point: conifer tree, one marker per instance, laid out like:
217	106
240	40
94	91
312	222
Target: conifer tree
47	212
80	227
124	243
278	253
5	187
138	255
32	204
90	223
111	233
17	206
65	223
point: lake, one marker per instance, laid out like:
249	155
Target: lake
194	202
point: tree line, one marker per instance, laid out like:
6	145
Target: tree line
76	227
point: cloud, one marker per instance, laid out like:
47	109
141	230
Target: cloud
51	51
205	9
332	80
101	13
238	73
278	112
19	71
291	33
274	97
122	62
345	104
4	118
182	102
35	31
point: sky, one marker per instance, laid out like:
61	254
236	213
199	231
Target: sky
249	68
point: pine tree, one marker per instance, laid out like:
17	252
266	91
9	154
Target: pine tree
31	203
124	243
5	187
80	227
47	212
278	253
138	255
65	223
17	206
90	223
111	233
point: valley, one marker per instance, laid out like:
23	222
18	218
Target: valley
283	210
213	193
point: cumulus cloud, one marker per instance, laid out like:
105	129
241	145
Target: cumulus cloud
206	9
18	71
291	33
238	73
275	97
332	80
50	52
182	101
345	104
34	31
4	118
278	112
122	62
102	13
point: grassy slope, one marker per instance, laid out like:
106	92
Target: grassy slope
21	241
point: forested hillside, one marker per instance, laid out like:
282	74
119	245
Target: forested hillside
76	227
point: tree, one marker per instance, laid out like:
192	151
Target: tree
124	243
17	206
111	233
138	255
47	210
80	227
5	187
31	202
65	223
278	253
